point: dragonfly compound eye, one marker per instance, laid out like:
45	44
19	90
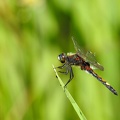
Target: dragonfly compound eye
61	58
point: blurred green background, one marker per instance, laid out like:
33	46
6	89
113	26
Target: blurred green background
33	33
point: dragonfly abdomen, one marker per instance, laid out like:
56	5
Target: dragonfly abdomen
103	81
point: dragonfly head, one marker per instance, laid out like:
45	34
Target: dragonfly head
62	57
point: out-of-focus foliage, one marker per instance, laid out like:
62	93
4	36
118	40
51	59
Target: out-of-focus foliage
33	33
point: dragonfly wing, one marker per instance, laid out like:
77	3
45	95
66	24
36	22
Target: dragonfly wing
90	57
87	56
79	50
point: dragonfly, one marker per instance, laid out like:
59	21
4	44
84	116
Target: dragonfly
86	61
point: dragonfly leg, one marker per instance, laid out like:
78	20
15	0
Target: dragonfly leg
66	72
61	67
71	75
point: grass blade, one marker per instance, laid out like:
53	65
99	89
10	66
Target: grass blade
74	104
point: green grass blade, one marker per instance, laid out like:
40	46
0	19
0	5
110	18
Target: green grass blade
74	104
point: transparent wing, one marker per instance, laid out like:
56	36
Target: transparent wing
87	56
90	57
